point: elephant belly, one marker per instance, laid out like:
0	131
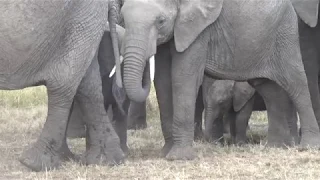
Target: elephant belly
240	64
240	47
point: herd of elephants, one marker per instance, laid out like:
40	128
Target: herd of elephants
225	58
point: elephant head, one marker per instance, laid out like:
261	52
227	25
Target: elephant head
307	11
153	22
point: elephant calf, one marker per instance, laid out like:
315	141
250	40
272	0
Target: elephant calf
231	103
227	96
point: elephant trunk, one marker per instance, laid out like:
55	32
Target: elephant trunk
208	124
136	69
213	125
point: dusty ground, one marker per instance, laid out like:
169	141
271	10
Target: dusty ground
22	115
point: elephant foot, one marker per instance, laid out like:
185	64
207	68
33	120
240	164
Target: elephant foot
198	135
280	140
125	149
166	148
40	157
310	140
241	141
181	153
67	155
105	154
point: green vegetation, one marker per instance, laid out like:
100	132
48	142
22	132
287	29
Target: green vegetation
26	98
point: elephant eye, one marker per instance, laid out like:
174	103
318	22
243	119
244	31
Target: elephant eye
160	21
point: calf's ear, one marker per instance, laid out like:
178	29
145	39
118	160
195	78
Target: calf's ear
242	93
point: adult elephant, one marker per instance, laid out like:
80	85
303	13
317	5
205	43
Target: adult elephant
54	44
309	33
222	39
116	102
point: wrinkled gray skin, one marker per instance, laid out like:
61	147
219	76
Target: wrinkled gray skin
309	33
115	100
54	44
228	107
216	37
135	117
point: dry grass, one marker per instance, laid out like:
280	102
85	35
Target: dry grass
23	114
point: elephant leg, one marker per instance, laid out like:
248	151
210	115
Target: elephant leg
241	122
120	125
76	125
187	75
310	136
276	98
313	78
137	117
310	57
163	86
198	133
66	153
292	78
103	144
292	118
229	122
50	148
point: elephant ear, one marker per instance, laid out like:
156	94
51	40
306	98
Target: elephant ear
307	11
242	92
193	17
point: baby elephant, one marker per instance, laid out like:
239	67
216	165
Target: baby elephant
227	101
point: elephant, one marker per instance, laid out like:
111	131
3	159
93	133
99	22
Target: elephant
120	110
227	96
309	32
228	107
254	41
115	101
137	115
54	44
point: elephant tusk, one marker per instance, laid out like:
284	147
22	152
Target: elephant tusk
112	71
114	68
151	61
